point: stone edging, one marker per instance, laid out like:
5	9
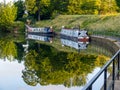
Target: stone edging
114	43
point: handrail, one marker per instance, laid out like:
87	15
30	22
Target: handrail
88	86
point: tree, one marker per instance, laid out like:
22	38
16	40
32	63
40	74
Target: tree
59	5
74	6
118	4
90	7
38	8
7	15
108	6
30	6
44	9
20	9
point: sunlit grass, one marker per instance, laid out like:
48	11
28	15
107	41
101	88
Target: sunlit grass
95	24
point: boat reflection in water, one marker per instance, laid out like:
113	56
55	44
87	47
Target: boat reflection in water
74	44
75	38
40	37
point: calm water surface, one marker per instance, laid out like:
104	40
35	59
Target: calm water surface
32	64
11	78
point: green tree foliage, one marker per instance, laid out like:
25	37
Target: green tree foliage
20	9
44	9
8	49
38	8
59	6
118	4
10	46
92	6
7	15
89	7
31	6
108	6
74	6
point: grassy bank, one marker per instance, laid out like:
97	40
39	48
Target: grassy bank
95	24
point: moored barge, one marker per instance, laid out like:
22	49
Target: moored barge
40	30
75	34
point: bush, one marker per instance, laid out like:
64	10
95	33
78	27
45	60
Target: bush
7	16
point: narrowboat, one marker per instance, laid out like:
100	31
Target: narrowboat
75	34
42	30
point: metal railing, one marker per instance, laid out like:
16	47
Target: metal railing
115	61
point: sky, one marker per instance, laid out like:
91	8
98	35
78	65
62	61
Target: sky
7	1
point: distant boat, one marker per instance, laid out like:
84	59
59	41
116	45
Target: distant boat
42	30
75	34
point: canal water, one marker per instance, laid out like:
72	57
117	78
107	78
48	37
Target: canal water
35	62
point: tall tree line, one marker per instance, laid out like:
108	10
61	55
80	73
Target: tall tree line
46	9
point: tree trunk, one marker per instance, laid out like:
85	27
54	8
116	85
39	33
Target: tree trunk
38	6
39	18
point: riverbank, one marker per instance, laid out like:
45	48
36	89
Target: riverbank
101	26
111	43
95	24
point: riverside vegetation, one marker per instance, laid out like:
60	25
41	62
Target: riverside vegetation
98	16
95	24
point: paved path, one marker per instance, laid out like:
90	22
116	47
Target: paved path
117	85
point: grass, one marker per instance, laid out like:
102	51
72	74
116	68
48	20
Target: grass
95	24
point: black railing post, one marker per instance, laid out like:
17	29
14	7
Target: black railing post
105	79
113	76
90	88
118	63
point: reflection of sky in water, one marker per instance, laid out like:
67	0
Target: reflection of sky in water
98	84
10	78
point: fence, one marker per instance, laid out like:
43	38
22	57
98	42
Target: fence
114	62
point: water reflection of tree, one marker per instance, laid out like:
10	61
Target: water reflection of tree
49	66
10	47
46	65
